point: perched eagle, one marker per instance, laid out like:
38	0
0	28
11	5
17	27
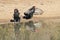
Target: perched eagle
16	17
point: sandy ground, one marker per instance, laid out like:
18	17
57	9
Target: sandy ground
51	8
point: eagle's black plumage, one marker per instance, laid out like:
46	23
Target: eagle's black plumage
29	13
16	16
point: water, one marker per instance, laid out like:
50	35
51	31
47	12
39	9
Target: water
48	29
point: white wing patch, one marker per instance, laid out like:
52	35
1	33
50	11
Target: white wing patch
38	11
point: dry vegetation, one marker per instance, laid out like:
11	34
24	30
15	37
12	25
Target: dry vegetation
50	30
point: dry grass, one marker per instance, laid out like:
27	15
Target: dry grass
50	30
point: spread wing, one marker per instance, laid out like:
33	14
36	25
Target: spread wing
38	11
